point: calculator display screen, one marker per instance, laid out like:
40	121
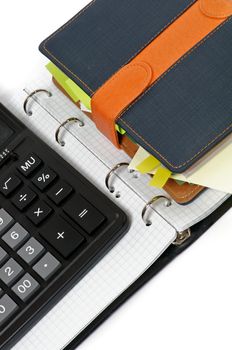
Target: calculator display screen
5	133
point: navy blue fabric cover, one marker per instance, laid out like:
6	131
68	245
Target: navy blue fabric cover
106	35
189	110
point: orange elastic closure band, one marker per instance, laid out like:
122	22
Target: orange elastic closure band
116	94
216	8
151	63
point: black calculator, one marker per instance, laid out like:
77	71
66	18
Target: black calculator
54	226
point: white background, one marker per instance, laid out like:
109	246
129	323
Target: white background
189	304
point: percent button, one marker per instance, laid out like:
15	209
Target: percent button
44	178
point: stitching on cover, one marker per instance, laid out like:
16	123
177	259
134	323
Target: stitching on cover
155	83
78	15
61	29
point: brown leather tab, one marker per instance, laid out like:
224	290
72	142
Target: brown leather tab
216	8
116	94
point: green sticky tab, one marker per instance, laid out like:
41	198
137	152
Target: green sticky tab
72	89
57	73
160	178
120	130
77	94
148	164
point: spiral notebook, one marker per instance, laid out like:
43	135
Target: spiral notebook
87	150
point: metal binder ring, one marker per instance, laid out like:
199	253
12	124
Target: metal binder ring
63	125
28	112
111	173
150	203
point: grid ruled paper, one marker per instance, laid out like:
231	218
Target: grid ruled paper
60	107
129	259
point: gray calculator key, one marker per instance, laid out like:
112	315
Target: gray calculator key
10	271
47	266
16	236
7	308
31	251
25	287
5	221
3	255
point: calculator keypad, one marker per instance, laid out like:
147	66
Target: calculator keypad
33	261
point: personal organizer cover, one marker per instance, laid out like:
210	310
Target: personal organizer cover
185	109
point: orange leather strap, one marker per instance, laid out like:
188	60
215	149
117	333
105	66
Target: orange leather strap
131	81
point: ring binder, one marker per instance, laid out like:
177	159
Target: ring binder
111	173
149	204
35	92
65	123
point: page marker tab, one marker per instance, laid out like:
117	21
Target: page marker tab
160	178
147	165
72	89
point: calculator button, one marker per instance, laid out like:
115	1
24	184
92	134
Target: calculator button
24	198
7	308
16	236
31	251
3	255
39	212
25	287
44	178
9	184
47	266
84	214
29	164
5	221
62	236
60	192
10	272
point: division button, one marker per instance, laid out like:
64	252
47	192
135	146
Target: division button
10	272
62	236
24	198
9	184
47	266
16	236
29	164
25	287
31	251
7	308
5	221
84	214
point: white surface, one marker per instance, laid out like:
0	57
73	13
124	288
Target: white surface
198	314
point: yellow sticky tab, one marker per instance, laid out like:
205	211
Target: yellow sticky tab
160	178
77	94
56	73
148	164
72	89
120	130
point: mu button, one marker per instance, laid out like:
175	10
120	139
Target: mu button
60	235
84	214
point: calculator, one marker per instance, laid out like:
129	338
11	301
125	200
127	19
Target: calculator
54	226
